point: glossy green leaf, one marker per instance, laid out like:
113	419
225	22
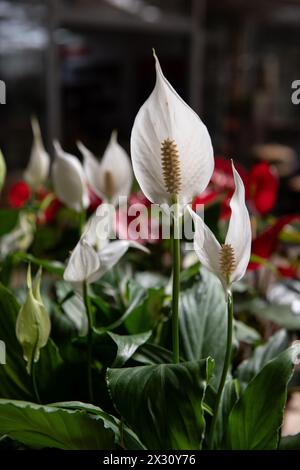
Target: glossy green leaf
282	315
124	436
229	398
50	426
255	420
262	355
163	403
245	333
127	346
203	322
151	354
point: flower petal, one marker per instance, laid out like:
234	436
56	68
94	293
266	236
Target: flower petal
206	245
116	161
92	170
166	116
37	170
111	254
69	180
82	264
239	230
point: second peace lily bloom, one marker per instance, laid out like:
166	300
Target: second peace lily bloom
230	260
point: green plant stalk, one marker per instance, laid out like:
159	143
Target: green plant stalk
225	368
34	382
175	237
90	341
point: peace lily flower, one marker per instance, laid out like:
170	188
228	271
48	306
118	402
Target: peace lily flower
171	150
88	264
229	261
69	180
112	177
37	170
33	322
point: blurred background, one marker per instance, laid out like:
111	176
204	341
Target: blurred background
84	67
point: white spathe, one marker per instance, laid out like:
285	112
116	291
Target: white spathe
69	180
166	116
37	170
87	264
238	237
115	165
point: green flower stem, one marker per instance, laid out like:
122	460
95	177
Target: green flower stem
225	368
175	237
34	381
90	341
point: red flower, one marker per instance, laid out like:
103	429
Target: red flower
266	243
287	271
209	196
19	194
51	210
262	188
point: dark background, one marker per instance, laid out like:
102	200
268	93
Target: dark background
85	67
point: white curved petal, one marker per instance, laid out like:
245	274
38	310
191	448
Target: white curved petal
116	161
37	170
92	170
69	180
239	230
93	234
111	254
206	246
82	264
165	115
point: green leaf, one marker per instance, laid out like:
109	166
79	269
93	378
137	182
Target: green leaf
262	355
9	219
127	346
290	442
282	315
256	418
163	403
147	313
125	437
49	426
245	333
203	322
229	397
15	382
153	354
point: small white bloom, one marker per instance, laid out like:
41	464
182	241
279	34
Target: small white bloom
69	180
37	170
87	264
112	177
171	150
229	261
